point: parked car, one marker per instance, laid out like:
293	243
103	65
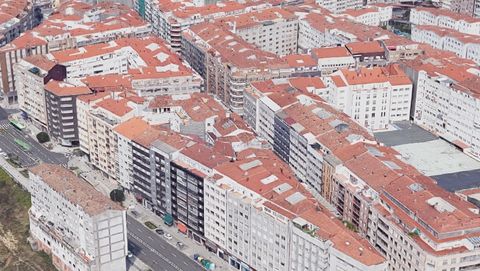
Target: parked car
129	254
134	213
159	231
168	236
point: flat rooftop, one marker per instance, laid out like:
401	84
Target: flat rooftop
459	180
434	157
404	132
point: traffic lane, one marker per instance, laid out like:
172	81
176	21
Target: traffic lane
148	256
161	248
36	153
38	150
3	114
8	145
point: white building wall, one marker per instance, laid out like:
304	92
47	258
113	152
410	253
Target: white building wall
469	26
102	239
279	38
309	37
31	93
124	161
447	112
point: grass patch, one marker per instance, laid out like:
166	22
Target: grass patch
150	225
14	205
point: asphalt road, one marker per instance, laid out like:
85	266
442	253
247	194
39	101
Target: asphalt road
155	251
37	152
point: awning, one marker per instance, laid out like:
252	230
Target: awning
181	227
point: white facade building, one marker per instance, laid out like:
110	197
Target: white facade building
339	6
371	15
81	228
273	30
463	45
331	59
446	19
373	97
124	134
97	116
254	220
450	109
31	94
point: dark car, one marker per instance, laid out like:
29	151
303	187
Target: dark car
159	231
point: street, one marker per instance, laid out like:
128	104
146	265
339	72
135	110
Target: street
155	251
36	154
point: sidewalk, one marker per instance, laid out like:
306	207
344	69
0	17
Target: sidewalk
191	246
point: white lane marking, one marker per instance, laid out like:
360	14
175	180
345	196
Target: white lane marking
156	252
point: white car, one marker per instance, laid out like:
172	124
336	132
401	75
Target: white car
167	236
129	254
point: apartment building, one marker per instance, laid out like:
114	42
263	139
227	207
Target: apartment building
77	24
155	70
373	97
368	53
445	18
195	114
61	106
330	59
168	174
273	30
463	45
18	17
102	58
404	214
374	15
447	101
340	6
78	226
98	114
434	242
33	73
258	217
151	69
125	132
228	63
12	53
169	18
464	7
233	64
317	29
74	25
292	117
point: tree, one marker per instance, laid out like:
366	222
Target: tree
117	195
43	137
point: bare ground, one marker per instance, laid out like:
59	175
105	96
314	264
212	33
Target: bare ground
15	251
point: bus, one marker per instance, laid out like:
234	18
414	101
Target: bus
24	145
17	124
